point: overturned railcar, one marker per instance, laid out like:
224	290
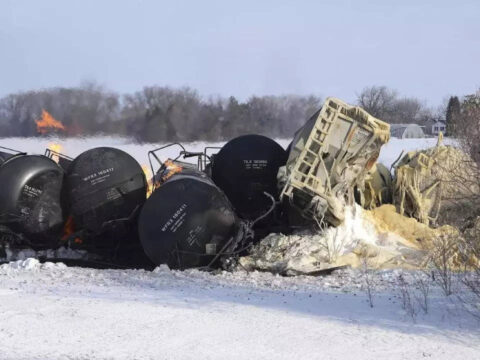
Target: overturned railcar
245	169
187	221
104	191
329	155
30	199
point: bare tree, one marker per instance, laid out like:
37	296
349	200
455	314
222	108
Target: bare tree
444	248
471	275
385	104
422	284
468	126
408	110
406	297
377	100
368	272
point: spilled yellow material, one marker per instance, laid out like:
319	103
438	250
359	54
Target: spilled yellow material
427	180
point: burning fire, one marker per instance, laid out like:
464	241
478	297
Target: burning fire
57	148
69	229
149	176
171	168
47	123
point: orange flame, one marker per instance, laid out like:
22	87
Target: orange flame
149	176
69	229
47	122
56	148
171	168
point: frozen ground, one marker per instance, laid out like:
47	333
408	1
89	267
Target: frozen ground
51	311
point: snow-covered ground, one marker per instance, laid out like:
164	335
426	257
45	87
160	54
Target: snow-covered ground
74	146
50	311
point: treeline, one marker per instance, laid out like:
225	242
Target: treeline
158	114
463	122
387	105
154	114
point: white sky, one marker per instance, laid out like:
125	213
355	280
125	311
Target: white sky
427	49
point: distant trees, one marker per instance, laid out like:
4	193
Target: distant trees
155	114
386	105
84	110
275	116
161	114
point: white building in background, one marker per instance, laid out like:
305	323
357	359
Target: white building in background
406	131
435	127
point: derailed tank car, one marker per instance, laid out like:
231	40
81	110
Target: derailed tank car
246	170
104	191
187	221
30	199
104	184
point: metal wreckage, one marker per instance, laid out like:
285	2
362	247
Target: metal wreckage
100	209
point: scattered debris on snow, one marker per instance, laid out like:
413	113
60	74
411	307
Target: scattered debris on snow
386	238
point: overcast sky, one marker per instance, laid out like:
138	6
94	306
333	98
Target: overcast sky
427	49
